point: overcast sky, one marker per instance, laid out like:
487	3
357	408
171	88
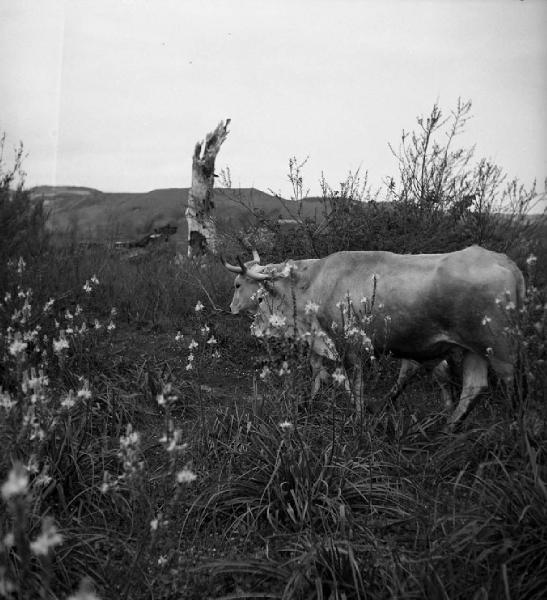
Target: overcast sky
114	94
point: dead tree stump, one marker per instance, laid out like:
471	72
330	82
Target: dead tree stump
202	234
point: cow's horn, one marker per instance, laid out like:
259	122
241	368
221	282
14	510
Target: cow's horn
232	268
241	265
256	256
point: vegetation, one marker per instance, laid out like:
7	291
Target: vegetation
153	449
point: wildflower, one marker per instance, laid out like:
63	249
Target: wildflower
284	369
78	310
211	340
286	426
531	260
60	344
111	326
162	560
186	476
49	538
68	315
311	308
85	392
174	443
21	264
17	482
97	324
69	401
199	306
48	304
9	540
193	344
339	376
43	479
265	372
86	591
179	337
277	320
95	280
6	401
7	297
154	523
489	351
205	330
486	320
160	399
17	347
216	354
87	288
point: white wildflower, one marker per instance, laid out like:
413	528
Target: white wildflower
311	308
17	347
95	280
85	392
160	399
486	320
154	523
48	539
48	304
277	320
205	330
265	372
179	337
193	344
212	340
60	344
69	401
162	560
216	354
87	287
286	426
186	476
97	324
199	306
531	260
5	400
339	376
111	326
284	369
17	482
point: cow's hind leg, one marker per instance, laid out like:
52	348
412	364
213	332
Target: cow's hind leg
354	370
475	381
408	370
319	373
443	376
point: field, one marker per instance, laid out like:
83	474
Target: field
175	477
153	449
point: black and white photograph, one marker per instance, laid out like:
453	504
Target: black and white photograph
273	299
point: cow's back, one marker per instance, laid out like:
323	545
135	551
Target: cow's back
422	304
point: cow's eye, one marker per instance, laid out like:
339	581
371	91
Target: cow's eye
238	285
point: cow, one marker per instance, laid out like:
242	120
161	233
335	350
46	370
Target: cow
418	307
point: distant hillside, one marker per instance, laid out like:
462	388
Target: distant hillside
118	216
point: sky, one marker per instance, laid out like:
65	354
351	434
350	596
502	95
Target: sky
115	94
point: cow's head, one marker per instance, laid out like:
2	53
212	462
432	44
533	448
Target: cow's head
253	283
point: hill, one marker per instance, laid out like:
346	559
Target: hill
122	215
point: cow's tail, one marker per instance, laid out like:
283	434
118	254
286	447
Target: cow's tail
520	379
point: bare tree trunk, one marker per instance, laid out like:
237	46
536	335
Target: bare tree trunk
202	235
